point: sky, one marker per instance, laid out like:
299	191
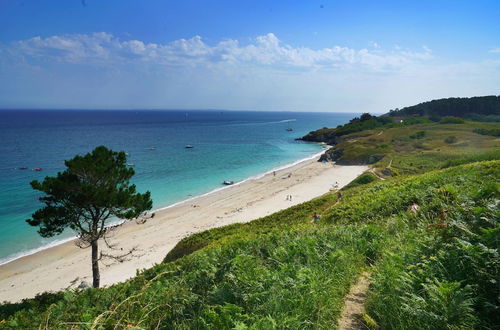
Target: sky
335	56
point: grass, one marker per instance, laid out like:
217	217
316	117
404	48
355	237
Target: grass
417	148
446	279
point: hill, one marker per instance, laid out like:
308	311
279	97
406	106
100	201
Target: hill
414	146
472	108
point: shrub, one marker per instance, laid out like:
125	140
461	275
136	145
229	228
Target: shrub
361	180
491	155
419	145
415	120
452	120
450	139
492	132
418	135
435	118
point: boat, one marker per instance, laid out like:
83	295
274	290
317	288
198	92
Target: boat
152	148
188	146
228	183
38	169
289	129
130	164
22	168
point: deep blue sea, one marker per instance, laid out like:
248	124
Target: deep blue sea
227	145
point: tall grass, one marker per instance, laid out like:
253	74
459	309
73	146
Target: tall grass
449	278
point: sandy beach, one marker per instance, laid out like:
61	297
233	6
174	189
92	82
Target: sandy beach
66	265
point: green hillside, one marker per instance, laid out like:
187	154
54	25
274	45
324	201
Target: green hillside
436	267
413	146
256	275
466	107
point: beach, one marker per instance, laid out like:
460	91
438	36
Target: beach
67	266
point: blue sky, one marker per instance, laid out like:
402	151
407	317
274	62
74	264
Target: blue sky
262	55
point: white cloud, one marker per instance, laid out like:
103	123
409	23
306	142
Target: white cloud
265	50
100	70
494	50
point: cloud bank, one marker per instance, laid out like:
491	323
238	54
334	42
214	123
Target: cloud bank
100	71
267	50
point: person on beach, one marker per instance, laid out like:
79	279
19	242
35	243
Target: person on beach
315	219
413	208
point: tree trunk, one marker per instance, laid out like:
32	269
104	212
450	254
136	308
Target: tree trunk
95	265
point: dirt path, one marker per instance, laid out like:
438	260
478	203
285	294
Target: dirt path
372	171
350	319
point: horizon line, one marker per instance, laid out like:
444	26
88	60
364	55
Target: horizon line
172	109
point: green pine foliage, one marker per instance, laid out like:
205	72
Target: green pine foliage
471	107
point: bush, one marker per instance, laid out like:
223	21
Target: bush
492	132
418	135
491	155
450	139
435	118
415	120
452	120
364	178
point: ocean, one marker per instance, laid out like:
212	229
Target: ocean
227	145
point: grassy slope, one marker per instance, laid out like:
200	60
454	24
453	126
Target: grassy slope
407	155
283	272
277	278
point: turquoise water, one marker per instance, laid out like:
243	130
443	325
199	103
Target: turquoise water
228	145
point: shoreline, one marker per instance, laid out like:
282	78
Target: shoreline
254	177
66	266
57	242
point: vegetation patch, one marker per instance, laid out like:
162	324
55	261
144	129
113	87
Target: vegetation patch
447	278
450	139
467	107
451	120
492	132
364	178
418	135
